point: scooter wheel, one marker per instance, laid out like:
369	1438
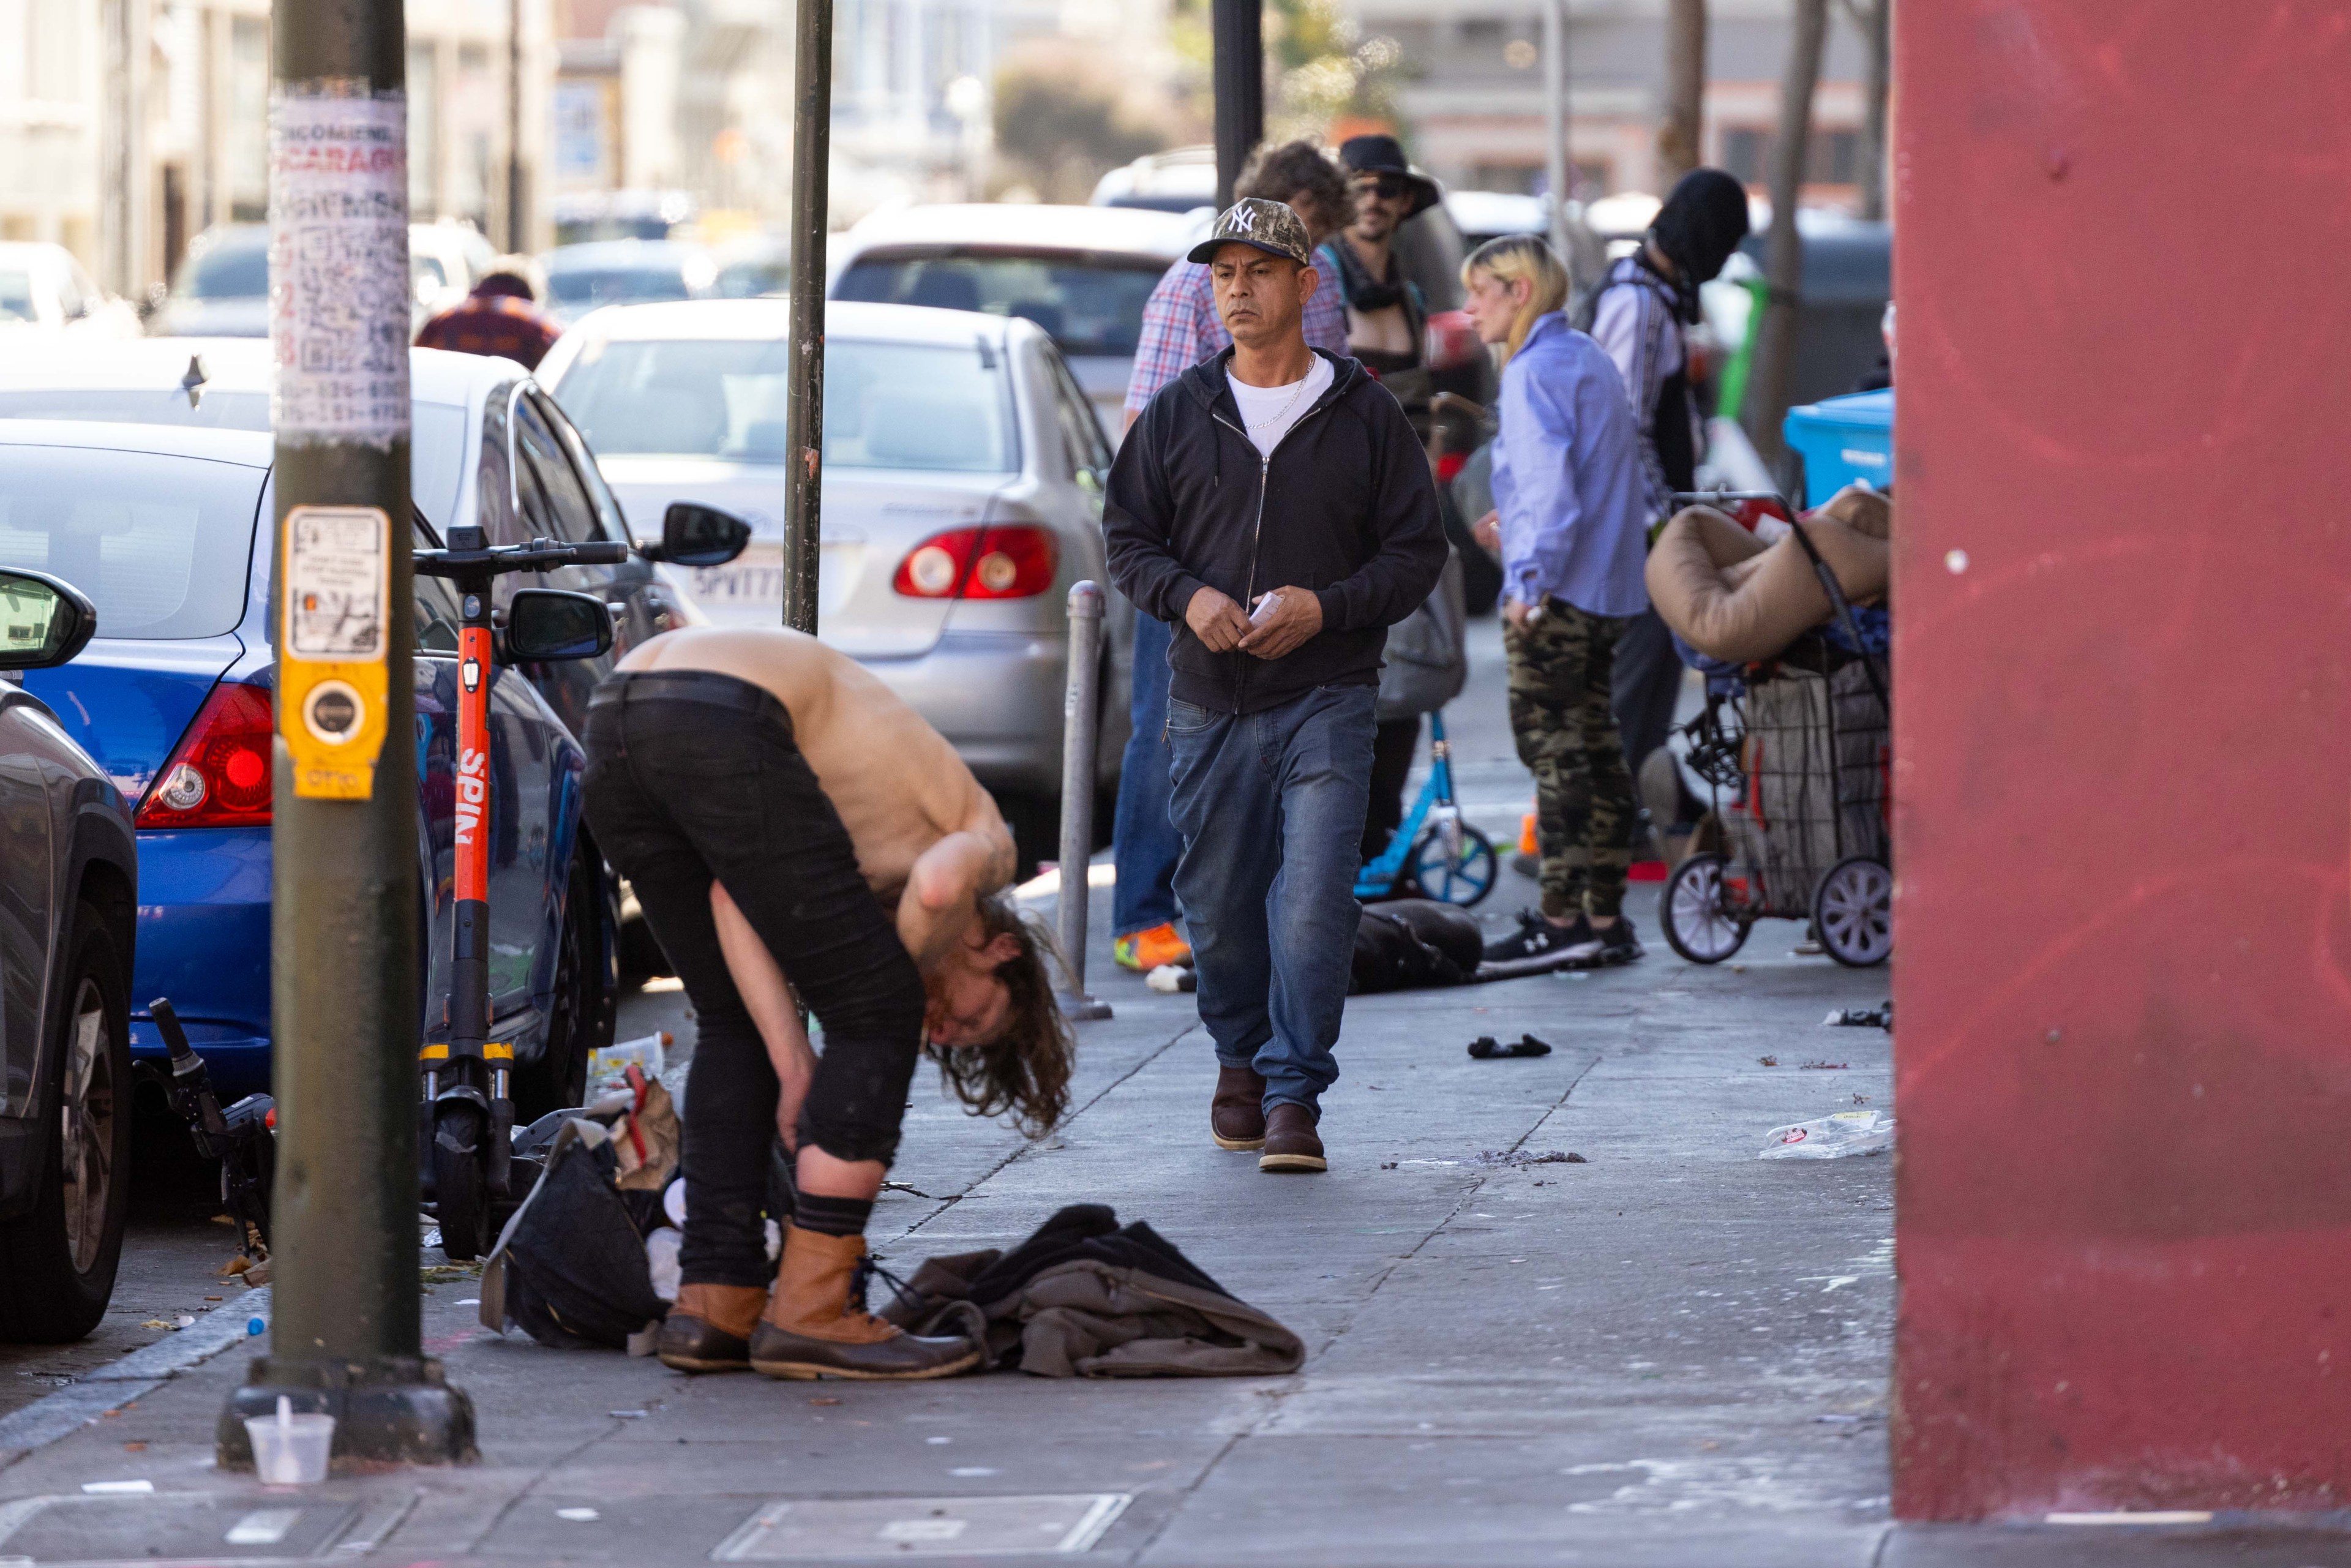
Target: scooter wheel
463	1207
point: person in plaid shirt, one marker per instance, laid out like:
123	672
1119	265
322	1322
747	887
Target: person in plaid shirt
498	319
1180	329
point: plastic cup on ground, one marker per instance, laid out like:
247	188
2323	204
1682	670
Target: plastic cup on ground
290	1450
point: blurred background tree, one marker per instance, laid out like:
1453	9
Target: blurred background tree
1325	78
1062	118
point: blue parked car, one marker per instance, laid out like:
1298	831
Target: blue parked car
164	524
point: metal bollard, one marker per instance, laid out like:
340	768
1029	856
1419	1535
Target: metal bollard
1080	733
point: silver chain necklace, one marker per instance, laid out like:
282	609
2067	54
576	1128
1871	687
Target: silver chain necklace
1277	415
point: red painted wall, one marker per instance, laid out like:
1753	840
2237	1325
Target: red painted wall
2124	843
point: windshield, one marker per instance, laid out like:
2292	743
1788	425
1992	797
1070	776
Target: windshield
17	296
588	285
233	270
436	446
887	406
160	544
1088	306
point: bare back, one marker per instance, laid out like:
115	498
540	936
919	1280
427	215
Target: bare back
899	786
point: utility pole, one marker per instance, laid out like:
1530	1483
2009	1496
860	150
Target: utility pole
804	398
518	199
1877	25
344	979
1776	344
1237	74
1559	167
1682	134
120	229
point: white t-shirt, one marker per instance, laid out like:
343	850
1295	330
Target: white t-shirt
1267	413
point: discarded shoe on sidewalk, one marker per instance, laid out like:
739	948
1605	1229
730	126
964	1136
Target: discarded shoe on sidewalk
1486	1047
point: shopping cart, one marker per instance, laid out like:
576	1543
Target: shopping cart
1796	750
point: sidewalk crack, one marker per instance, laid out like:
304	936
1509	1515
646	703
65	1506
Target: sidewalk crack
947	1201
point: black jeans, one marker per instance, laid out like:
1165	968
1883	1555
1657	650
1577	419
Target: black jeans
695	777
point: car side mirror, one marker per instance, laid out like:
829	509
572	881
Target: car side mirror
44	620
696	534
545	625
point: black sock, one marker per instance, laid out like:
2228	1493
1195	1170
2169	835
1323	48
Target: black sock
832	1215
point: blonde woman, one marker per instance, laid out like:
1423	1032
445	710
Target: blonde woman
1570	522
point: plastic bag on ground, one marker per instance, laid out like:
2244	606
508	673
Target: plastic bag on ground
1830	1137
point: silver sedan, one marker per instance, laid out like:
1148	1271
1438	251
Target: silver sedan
964	470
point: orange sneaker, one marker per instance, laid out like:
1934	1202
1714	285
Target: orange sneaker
1143	951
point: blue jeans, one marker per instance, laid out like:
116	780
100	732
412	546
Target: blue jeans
1143	841
1271	809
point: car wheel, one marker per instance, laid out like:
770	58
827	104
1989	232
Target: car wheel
58	1261
580	1011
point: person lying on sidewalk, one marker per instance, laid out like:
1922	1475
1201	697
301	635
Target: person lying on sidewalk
784	817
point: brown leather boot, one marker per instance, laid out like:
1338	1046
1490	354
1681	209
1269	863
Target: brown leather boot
1236	1115
1291	1142
812	1329
709	1329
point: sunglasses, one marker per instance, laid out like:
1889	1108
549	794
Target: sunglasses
1387	187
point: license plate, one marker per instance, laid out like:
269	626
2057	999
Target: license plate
751	586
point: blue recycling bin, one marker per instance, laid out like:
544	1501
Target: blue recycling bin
1842	439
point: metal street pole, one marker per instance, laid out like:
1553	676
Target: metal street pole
518	200
1237	74
804	398
344	1337
1555	124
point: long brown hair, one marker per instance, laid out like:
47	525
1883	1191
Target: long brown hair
1514	256
1026	1068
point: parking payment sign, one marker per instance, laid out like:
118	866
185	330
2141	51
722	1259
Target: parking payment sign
332	685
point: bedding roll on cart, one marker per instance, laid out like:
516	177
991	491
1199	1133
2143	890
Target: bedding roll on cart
1797	751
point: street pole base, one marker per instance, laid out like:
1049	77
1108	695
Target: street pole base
397	1410
1078	1007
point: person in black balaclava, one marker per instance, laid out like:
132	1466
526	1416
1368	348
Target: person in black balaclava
1637	315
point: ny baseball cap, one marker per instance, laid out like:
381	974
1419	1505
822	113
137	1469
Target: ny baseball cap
1270	226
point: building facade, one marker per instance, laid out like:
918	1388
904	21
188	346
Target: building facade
1473	98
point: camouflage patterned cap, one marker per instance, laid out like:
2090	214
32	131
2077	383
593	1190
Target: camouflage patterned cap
1269	226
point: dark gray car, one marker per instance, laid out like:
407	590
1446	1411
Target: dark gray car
68	897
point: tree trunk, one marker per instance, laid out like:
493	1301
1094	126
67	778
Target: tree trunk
1680	132
1776	344
1877	74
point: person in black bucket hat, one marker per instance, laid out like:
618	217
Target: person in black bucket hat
1638	315
1387	319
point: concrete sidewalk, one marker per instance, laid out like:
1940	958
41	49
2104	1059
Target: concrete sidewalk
1668	1353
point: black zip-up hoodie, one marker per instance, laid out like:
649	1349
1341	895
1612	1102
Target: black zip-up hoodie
1344	507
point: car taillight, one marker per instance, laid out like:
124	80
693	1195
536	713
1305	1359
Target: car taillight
1009	561
218	776
1453	340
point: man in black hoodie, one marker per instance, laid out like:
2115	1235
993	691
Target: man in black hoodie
1272	504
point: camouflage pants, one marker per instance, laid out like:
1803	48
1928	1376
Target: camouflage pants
1566	730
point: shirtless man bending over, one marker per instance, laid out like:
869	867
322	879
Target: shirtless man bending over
790	825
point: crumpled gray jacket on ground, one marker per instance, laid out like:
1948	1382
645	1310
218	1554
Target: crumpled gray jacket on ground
1091	1316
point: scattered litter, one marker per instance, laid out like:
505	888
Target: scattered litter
112	1489
1485	1046
935	1440
1830	1137
609	1067
1555	1157
211	1298
1825	1066
626	1414
824	1399
969	1471
1880	1017
1861	1099
233	1266
134	1448
254	1326
1170	980
1837	1420
1768	1060
290	1450
579	1515
155	1323
1739	969
184	1321
469	1301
